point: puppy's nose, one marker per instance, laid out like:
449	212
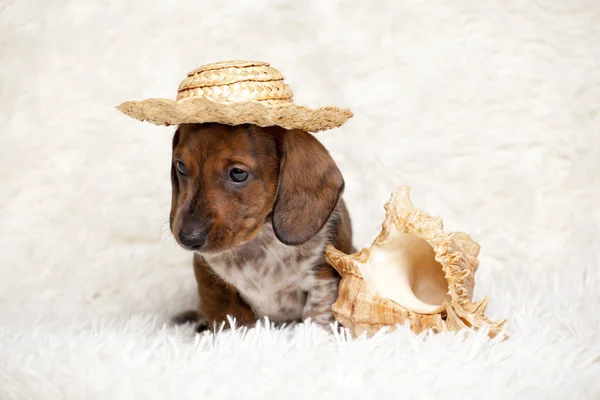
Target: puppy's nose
193	239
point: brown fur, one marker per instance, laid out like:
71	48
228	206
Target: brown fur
294	187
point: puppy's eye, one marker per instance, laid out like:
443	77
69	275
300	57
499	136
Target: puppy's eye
180	167
238	175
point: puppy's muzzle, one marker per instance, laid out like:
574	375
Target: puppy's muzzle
193	237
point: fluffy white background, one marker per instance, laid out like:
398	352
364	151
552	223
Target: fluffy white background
489	110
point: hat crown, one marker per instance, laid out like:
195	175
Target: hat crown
233	93
236	81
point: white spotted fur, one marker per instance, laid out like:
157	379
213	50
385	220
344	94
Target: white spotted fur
265	282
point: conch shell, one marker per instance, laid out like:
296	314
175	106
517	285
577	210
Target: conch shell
413	271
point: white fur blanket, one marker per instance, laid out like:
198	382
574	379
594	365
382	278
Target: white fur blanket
489	110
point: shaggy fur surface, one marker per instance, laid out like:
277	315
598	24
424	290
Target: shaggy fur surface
489	110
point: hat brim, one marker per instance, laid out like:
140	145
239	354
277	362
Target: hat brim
201	109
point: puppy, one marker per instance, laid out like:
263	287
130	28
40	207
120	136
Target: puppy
257	206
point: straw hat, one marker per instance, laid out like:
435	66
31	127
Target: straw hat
233	93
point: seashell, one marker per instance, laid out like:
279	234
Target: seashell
413	272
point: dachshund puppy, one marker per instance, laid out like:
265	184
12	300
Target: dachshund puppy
257	206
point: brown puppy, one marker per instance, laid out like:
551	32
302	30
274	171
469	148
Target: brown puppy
257	206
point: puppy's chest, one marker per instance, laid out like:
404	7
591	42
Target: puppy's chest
273	278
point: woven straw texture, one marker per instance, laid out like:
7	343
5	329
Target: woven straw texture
233	93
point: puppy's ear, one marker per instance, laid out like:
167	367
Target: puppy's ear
310	185
174	181
176	136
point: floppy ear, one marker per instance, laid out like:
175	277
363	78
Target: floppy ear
310	185
174	182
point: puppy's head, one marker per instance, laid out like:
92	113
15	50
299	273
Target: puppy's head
229	180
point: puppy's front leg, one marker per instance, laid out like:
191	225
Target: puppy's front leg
322	296
218	300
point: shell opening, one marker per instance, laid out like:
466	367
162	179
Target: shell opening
403	269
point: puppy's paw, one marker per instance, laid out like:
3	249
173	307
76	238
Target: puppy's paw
186	317
202	326
191	317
